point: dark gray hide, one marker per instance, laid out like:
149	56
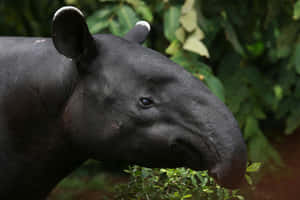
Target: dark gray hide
107	98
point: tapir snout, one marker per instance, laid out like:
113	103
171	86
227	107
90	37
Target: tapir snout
209	133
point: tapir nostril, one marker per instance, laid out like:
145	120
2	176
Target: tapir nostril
230	172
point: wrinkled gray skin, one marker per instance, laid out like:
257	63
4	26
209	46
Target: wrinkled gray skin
107	98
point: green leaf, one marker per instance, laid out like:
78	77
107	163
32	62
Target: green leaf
256	49
71	2
96	28
248	179
171	22
258	113
260	150
254	167
108	0
296	15
198	33
114	28
297	58
239	197
127	18
186	196
145	12
194	181
278	92
142	9
180	34
297	89
232	37
214	84
173	48
187	6
196	46
99	20
286	39
251	128
134	3
181	60
293	121
100	14
189	21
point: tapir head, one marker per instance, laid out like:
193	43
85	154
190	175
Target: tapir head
133	104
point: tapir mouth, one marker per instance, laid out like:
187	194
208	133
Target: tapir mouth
192	156
229	176
226	173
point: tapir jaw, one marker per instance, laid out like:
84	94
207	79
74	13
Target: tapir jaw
225	160
225	156
226	173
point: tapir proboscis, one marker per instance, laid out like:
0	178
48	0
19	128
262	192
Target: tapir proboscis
77	96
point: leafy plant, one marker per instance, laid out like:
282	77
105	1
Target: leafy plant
175	184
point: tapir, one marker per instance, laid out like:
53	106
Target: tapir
77	96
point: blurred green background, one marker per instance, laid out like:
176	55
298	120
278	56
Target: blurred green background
247	52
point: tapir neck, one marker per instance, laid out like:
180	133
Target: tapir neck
35	151
33	166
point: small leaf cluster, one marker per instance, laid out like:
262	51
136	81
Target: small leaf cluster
175	184
186	43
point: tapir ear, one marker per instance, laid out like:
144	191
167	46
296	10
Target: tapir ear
70	33
139	32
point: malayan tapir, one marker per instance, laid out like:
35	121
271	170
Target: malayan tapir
78	96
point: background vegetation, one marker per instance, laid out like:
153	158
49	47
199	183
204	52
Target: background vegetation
247	52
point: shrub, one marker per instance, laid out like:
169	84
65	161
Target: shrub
175	184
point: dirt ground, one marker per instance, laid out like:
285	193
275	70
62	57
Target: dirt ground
285	184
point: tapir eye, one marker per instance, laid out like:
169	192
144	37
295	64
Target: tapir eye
146	102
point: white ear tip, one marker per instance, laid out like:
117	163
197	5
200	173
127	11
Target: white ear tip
65	8
144	23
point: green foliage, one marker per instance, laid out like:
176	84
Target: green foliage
118	19
171	22
175	184
26	18
297	10
85	179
